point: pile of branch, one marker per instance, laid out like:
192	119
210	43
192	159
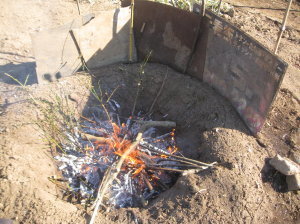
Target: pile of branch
113	171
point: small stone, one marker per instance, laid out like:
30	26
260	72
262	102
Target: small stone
285	165
227	17
293	182
231	12
295	156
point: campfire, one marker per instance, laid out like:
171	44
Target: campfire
121	162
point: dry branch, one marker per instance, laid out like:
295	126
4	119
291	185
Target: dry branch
147	182
148	124
161	152
181	161
89	137
194	161
171	169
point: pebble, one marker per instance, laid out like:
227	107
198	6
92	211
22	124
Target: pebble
295	156
285	165
293	182
227	17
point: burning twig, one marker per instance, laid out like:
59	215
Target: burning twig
147	182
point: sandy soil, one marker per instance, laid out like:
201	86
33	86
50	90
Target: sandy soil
243	189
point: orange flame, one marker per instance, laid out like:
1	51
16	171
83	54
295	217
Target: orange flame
116	143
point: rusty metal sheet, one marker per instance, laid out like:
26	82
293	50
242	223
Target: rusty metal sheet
55	53
168	32
105	40
197	61
242	70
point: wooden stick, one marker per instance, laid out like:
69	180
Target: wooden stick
181	161
265	8
89	137
161	152
169	169
147	124
203	7
185	160
283	26
78	7
131	33
194	161
150	187
144	126
182	166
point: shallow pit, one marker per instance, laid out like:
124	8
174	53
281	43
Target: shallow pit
208	130
158	93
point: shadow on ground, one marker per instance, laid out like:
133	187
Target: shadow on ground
275	178
20	72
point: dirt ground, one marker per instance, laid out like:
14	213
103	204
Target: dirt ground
243	189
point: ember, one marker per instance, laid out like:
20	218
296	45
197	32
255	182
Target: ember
148	168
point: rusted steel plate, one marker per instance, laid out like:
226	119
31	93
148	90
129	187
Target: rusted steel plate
105	40
55	53
242	70
168	32
197	61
